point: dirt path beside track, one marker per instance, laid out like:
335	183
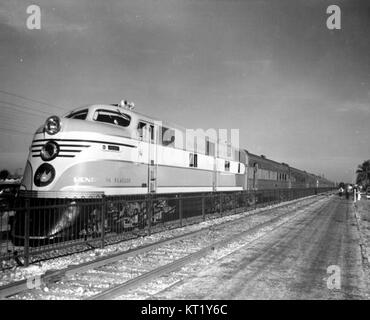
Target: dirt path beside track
290	263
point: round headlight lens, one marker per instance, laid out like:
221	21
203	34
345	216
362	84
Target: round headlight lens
52	125
49	151
44	175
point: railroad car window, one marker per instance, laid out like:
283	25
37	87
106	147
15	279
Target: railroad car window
239	167
274	175
112	117
227	165
81	115
168	137
193	160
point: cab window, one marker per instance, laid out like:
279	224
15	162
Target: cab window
112	117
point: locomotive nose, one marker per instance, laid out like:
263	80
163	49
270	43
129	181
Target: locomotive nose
26	183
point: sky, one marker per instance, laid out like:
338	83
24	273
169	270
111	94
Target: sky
298	92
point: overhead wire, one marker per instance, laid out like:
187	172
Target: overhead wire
25	108
30	99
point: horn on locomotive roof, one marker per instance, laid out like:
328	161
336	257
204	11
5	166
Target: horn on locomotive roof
126	104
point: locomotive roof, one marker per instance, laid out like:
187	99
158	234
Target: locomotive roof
130	112
134	114
140	116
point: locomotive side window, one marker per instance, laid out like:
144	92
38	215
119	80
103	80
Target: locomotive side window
151	129
193	160
227	165
140	129
81	115
112	117
207	147
242	157
210	148
145	131
168	137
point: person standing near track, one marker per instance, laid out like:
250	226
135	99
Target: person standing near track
341	191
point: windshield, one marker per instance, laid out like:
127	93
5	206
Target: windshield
112	117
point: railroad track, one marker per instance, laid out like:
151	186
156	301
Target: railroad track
115	275
149	285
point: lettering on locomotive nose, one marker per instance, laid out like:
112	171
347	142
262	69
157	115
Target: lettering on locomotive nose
84	180
117	180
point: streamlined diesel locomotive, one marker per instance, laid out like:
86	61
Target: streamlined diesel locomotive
112	150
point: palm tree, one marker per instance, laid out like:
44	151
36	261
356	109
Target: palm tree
4	174
363	173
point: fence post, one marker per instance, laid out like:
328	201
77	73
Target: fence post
277	196
27	233
235	194
203	207
149	211
221	204
180	210
246	199
103	214
255	199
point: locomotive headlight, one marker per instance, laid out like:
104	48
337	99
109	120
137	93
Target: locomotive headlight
44	175
49	151
52	125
